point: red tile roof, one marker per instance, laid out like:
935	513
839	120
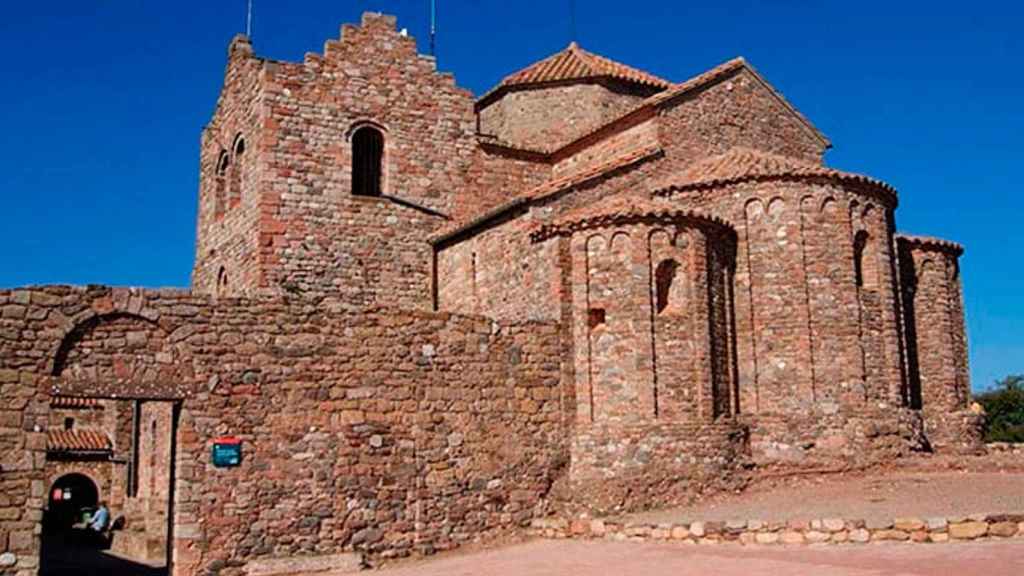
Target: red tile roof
74	402
77	441
549	188
742	164
616	210
932	242
575	63
636	114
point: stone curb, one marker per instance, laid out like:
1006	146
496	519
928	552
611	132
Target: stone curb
792	532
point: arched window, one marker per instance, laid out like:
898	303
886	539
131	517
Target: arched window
665	276
864	261
238	151
222	282
220	184
367	161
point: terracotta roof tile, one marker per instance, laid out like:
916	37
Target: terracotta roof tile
74	402
931	242
652	102
697	81
77	441
549	188
742	164
616	209
575	63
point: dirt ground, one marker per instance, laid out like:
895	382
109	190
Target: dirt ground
568	557
878	496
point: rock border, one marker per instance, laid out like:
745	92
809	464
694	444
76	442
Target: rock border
792	532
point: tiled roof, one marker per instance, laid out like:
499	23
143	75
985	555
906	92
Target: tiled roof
723	70
549	188
742	164
77	441
74	402
932	242
637	113
575	63
699	80
618	209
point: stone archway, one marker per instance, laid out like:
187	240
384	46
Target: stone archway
69	498
128	363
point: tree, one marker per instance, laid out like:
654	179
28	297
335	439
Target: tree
1004	406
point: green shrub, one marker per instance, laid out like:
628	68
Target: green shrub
1004	407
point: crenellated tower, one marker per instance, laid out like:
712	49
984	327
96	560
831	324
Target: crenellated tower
325	177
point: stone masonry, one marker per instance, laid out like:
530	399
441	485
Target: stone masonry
431	319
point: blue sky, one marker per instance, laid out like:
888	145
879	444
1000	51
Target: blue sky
103	103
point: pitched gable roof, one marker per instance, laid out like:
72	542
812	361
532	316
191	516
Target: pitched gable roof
741	164
723	70
574	63
651	104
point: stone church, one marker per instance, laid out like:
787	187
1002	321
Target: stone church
428	317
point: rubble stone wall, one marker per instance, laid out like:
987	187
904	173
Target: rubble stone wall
618	467
811	337
761	532
229	181
736	110
304	229
476	275
385	433
939	381
549	116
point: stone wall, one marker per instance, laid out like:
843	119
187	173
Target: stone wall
736	109
753	532
815	340
145	533
385	433
476	275
618	467
230	172
309	233
23	419
549	116
812	337
938	377
497	176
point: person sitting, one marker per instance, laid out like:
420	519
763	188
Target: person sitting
100	518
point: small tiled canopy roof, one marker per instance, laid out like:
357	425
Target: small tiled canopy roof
77	441
618	210
741	164
575	63
74	402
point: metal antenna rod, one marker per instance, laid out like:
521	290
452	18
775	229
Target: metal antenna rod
248	21
433	25
572	20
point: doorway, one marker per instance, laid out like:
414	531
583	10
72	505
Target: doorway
121	452
72	499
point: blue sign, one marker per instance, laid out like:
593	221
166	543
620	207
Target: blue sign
227	452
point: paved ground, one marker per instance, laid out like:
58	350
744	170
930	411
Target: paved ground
64	554
878	497
568	557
